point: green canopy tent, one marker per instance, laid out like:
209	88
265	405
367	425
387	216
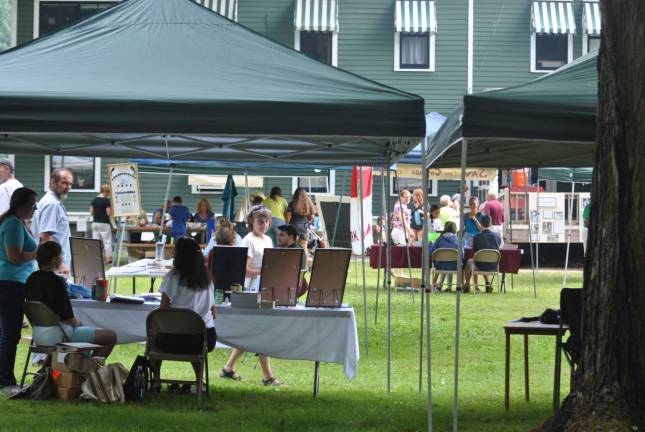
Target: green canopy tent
543	123
567	175
172	79
546	122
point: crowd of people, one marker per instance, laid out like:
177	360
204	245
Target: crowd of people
483	229
35	262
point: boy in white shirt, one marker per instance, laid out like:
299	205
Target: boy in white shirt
256	241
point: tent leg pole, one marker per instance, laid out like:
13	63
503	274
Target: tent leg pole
360	195
460	272
380	242
340	203
389	289
424	265
405	236
165	202
119	244
528	210
566	259
537	244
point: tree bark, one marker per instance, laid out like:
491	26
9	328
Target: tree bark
609	390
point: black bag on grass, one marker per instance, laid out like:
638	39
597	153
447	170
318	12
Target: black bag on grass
137	381
42	387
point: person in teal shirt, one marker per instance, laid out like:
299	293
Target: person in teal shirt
17	262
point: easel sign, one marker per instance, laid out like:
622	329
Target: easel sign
126	195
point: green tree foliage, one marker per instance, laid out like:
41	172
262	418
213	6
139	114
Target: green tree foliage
5	24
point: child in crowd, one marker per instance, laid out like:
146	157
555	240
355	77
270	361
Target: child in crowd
256	241
47	287
187	286
179	214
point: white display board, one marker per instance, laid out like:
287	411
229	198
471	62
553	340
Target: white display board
547	217
126	196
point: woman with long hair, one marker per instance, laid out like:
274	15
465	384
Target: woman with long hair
101	210
203	211
17	262
416	214
301	210
188	286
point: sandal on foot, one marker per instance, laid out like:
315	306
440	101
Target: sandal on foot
271	382
229	374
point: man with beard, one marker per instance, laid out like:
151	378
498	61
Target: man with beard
50	221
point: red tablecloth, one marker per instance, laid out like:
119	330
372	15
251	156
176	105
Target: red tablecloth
510	262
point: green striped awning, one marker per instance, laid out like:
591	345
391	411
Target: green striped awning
553	17
415	16
227	8
591	21
316	15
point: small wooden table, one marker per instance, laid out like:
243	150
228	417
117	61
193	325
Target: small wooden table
538	329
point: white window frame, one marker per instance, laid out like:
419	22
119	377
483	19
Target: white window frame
431	54
331	183
585	43
334	45
97	175
434	187
36	31
533	53
13	39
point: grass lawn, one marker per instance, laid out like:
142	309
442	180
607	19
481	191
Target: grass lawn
362	404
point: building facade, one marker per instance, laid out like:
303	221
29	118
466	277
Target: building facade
439	50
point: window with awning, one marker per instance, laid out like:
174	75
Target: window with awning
226	8
316	29
415	26
553	25
591	21
591	26
316	15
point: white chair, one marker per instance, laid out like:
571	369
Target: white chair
445	255
487	256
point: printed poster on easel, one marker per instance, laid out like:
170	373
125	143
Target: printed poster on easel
126	196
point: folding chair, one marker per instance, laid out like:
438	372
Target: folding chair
487	256
571	315
183	323
40	315
446	256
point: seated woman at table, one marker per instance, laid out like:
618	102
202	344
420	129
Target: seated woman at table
447	240
47	287
222	222
188	286
259	221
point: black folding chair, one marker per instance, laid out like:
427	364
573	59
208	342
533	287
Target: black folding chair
571	314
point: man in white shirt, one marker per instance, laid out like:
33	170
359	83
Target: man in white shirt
8	184
50	221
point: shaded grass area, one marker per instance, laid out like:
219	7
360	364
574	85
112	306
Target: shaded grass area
363	404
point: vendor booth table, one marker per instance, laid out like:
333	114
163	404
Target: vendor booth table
294	333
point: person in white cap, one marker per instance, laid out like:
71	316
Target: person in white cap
8	184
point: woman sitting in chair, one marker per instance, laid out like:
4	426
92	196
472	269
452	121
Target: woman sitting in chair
47	287
187	286
447	240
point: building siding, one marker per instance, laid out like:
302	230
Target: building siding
501	57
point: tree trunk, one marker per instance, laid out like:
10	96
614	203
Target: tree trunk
609	391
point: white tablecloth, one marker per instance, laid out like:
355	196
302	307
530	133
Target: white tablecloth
298	333
140	268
